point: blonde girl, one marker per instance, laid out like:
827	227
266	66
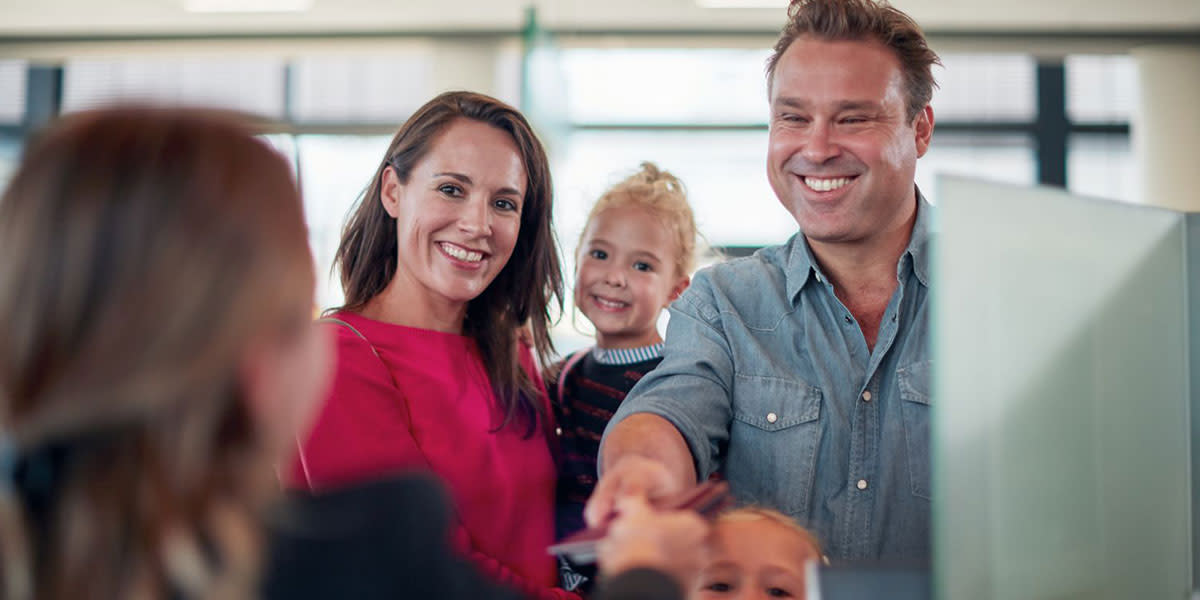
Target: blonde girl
635	256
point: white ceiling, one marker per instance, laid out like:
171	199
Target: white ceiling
104	18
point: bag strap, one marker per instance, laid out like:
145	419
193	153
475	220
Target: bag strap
362	337
567	366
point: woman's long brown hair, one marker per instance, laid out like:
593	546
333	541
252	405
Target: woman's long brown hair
141	251
525	287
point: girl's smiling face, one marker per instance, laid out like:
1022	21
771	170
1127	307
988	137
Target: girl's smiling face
626	274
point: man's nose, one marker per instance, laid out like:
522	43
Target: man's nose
820	145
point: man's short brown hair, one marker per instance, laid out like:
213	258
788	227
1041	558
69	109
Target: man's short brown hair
864	20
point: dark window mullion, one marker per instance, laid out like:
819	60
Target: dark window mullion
1052	127
43	95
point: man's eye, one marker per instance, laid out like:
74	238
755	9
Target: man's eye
598	254
778	593
450	190
718	587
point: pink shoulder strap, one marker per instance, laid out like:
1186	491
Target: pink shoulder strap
567	366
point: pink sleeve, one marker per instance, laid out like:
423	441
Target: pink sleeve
362	431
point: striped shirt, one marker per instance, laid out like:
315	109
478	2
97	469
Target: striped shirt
592	391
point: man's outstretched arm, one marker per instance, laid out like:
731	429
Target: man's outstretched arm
644	455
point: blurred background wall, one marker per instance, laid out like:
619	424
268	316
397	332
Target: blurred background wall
1098	96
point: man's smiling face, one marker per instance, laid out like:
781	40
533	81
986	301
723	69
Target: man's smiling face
842	150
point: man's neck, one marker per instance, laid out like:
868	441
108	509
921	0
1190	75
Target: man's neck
863	273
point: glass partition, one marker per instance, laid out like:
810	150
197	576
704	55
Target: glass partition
1061	434
1193	258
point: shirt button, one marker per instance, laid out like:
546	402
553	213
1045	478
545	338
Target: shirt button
866	396
862	484
772	417
558	431
849	320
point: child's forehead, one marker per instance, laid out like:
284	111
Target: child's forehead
635	226
630	212
742	529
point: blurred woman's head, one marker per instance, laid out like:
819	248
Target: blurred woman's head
459	213
158	354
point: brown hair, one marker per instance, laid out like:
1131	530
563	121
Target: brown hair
864	20
663	194
524	288
142	250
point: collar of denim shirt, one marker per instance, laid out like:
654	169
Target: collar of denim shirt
802	266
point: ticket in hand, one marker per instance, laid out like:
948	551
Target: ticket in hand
708	499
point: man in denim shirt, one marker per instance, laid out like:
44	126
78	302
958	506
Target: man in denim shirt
802	372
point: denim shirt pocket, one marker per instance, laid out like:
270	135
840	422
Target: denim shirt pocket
774	439
914	382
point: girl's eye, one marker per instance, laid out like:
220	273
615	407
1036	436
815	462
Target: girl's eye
718	587
450	189
506	205
598	254
641	266
778	593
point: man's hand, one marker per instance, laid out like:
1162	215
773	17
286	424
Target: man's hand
635	476
671	541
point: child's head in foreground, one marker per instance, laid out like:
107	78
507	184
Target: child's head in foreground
635	256
756	553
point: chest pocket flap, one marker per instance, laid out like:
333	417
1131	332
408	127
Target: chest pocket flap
774	403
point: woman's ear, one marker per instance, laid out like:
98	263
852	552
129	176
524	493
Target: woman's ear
390	191
284	382
255	375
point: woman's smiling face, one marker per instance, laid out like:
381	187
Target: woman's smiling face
459	213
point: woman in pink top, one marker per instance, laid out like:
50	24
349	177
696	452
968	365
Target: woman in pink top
449	251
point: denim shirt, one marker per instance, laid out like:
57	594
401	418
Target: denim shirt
769	379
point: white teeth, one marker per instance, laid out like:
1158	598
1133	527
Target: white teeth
462	254
609	303
825	185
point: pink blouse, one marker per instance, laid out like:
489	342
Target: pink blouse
443	417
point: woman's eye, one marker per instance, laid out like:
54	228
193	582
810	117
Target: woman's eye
641	266
778	593
506	205
717	587
598	254
450	190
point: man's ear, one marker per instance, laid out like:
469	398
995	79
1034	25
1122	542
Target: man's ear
923	126
390	190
